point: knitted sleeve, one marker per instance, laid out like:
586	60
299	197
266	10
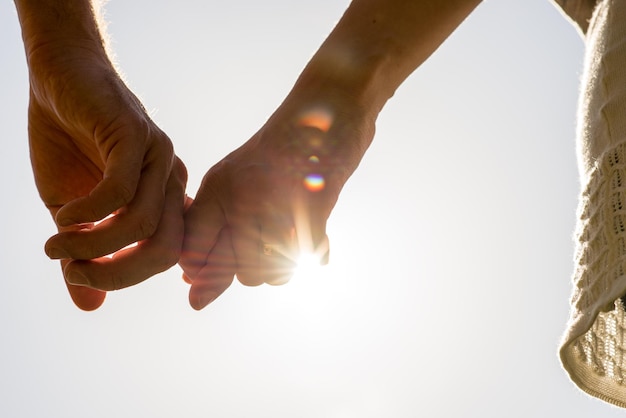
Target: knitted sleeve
593	349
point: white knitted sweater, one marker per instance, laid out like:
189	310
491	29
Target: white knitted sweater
593	349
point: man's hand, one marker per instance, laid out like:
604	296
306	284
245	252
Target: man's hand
95	152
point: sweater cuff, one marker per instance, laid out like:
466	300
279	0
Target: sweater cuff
593	350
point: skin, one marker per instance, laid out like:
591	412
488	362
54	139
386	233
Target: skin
258	194
96	152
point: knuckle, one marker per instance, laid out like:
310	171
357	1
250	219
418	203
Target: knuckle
165	258
166	143
250	280
100	278
163	255
191	262
123	194
146	227
161	147
90	249
114	281
180	171
278	280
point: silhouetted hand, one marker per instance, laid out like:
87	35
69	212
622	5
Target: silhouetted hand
95	152
267	202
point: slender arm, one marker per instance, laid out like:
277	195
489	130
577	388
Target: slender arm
378	43
278	189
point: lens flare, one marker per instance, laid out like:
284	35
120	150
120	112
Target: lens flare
314	159
316	118
314	182
308	267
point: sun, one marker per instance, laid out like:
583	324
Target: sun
308	266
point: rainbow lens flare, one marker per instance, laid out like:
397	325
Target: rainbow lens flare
314	182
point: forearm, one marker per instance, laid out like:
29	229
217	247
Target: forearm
64	43
73	22
377	44
62	37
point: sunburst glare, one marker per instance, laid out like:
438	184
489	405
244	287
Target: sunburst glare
308	267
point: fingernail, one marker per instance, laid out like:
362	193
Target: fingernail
76	278
65	222
202	300
56	253
325	259
187	279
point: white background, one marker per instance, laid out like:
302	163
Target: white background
452	247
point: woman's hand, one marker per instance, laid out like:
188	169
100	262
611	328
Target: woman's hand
267	202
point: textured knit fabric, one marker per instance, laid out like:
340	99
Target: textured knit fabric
593	350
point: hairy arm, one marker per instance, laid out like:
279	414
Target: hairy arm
95	152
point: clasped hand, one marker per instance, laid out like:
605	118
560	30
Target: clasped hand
116	190
267	202
95	152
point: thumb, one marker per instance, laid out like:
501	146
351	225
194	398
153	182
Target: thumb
116	189
217	274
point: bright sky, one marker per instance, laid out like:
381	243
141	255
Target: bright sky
451	253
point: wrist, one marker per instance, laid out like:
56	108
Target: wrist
339	95
347	78
321	128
